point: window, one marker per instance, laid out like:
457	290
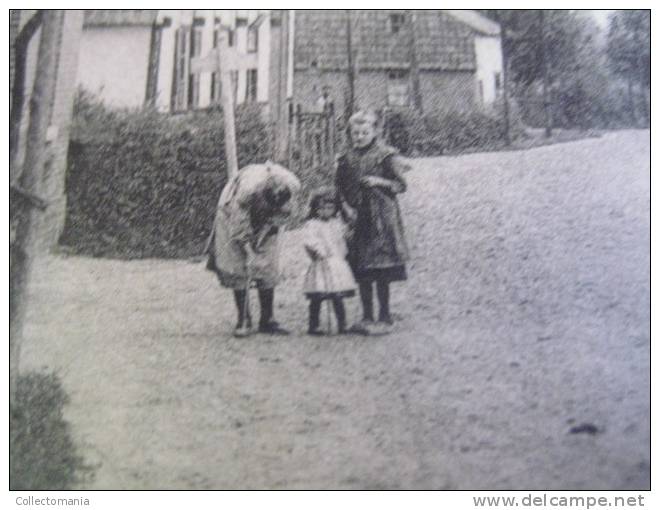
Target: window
398	90
179	96
252	39
397	74
195	51
251	86
397	21
215	87
216	37
233	78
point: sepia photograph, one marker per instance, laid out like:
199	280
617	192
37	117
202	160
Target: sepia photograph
334	249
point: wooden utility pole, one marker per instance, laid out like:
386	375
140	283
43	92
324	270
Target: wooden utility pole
505	77
350	103
21	45
227	102
547	113
23	249
414	64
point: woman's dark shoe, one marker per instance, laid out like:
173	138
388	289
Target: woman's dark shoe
316	332
272	327
361	328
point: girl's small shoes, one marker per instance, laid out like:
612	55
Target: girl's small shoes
361	328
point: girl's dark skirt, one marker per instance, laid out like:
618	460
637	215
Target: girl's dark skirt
381	274
320	296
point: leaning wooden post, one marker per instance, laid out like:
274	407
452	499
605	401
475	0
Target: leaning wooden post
227	103
24	246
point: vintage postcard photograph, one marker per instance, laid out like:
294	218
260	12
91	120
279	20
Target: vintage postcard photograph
290	249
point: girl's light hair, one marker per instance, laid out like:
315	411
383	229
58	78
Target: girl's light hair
363	117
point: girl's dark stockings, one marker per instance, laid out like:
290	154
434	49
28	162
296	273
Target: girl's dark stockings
383	290
366	295
315	312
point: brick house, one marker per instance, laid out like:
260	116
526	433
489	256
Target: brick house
458	55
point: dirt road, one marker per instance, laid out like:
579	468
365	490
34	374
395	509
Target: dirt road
526	316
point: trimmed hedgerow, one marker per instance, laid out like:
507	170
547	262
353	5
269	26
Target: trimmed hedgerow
437	133
142	184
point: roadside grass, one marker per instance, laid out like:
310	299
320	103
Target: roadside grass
42	454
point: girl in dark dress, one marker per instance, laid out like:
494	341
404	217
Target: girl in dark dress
369	177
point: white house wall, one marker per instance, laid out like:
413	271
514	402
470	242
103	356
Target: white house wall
263	60
488	51
114	62
258	60
207	42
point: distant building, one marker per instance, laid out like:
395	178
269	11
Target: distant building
115	52
135	57
458	55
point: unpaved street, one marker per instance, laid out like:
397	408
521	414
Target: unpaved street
526	315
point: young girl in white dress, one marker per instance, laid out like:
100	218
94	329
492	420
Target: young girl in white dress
329	277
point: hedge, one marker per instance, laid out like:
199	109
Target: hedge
142	184
438	133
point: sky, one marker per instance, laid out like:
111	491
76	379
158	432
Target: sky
601	17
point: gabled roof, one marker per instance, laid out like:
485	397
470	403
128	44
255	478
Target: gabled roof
124	18
476	21
442	42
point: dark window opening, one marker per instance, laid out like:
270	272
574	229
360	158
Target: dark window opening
251	86
253	39
397	21
397	74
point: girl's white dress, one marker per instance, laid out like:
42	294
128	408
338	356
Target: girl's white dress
330	274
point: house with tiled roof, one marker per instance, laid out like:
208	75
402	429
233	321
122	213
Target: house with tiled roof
136	57
458	57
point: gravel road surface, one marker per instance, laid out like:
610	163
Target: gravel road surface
520	360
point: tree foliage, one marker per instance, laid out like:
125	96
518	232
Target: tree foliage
569	46
629	45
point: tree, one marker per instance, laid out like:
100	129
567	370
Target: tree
548	53
629	50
